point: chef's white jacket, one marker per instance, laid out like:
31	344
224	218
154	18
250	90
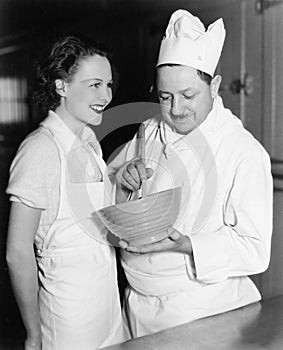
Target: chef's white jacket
226	211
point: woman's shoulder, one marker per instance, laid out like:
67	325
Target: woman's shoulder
39	143
37	151
35	170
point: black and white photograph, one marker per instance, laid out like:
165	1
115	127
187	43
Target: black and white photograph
141	174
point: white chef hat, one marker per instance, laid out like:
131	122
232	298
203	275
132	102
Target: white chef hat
187	43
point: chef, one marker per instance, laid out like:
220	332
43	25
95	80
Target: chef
223	232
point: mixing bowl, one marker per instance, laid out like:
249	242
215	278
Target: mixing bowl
144	220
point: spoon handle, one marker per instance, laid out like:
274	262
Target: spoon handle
141	137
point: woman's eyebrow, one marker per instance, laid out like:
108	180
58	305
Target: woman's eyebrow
88	79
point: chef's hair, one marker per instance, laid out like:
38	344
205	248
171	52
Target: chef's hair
204	76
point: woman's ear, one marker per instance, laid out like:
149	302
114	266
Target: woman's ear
60	87
214	86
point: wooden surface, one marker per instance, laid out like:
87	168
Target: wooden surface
257	326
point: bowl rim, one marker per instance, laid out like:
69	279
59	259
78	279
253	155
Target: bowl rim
133	202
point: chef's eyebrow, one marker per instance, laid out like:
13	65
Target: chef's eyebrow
188	89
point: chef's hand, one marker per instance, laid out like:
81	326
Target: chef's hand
132	174
175	242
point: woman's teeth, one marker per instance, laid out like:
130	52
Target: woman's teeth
97	109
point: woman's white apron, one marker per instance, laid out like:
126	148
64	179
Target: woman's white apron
78	296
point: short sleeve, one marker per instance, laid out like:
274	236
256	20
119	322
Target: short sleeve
33	171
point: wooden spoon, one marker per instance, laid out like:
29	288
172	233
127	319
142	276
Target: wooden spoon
141	140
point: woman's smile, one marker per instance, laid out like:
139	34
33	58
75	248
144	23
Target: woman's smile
98	108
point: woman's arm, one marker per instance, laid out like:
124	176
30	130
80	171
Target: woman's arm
22	266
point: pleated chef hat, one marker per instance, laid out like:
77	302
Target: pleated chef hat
187	43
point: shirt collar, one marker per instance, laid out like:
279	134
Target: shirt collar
65	137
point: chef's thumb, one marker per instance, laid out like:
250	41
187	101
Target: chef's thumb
174	234
123	244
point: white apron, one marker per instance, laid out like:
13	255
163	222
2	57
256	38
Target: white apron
78	295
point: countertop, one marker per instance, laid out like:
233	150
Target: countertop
256	326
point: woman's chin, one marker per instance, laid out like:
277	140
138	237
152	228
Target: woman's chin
96	120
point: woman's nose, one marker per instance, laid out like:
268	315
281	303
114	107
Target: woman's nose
105	95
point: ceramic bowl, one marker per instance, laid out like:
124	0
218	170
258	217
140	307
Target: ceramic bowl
145	220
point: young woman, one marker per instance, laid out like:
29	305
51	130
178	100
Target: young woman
62	270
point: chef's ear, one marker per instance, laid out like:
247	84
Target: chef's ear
60	87
214	86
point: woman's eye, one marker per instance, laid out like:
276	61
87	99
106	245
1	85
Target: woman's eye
96	85
110	85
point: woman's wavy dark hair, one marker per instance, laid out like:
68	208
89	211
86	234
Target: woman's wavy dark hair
61	62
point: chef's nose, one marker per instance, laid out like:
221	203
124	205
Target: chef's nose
176	107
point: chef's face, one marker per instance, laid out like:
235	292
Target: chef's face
185	99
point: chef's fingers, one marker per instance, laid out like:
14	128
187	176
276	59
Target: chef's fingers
128	182
135	173
140	167
130	178
161	246
132	173
123	178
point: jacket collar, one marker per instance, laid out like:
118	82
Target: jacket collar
216	119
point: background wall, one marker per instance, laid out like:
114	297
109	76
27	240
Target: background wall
251	67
